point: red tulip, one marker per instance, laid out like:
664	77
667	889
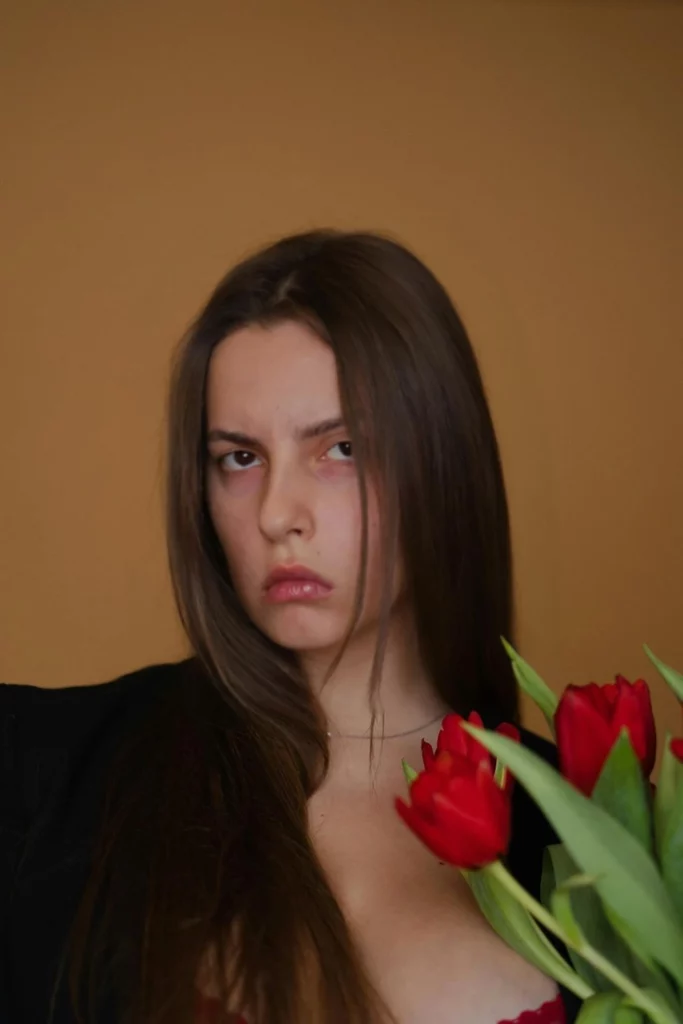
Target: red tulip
677	749
458	742
457	809
588	721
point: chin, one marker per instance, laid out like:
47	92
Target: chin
302	628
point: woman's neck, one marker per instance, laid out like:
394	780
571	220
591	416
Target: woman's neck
406	697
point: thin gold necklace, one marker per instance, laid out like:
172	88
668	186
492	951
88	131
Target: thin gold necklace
392	736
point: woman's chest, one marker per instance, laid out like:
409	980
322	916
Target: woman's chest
428	950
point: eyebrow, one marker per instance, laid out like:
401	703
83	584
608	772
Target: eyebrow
307	433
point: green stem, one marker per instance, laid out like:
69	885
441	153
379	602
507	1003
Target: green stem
638	997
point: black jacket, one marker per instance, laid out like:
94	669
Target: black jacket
56	746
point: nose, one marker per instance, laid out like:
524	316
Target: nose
286	506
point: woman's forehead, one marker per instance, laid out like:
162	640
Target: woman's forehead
276	377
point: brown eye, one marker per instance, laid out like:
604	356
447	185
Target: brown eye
343	450
235	462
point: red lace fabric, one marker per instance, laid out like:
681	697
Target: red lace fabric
551	1012
209	1011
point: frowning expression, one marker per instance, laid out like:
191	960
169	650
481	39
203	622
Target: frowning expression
282	486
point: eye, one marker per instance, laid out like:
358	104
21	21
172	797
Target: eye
343	450
237	462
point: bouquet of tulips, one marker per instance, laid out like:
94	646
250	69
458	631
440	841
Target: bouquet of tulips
612	887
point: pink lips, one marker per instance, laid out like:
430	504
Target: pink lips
294	583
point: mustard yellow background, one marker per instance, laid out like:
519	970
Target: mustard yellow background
530	152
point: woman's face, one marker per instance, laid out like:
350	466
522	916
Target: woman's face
282	486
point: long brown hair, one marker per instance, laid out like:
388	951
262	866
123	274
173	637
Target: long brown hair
205	844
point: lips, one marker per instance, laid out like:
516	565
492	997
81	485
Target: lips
287	584
293	574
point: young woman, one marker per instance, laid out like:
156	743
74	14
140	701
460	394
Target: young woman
217	839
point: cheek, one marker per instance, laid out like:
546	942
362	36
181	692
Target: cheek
349	537
338	533
234	526
376	568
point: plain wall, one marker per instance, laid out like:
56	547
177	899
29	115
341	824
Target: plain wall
530	152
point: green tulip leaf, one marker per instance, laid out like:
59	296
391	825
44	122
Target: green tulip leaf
671	853
590	916
600	1008
561	905
627	1015
623	791
500	774
670	676
548	880
515	925
594	923
409	773
669	790
565	902
631	936
532	684
644	971
660	1012
627	879
612	1007
580	882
